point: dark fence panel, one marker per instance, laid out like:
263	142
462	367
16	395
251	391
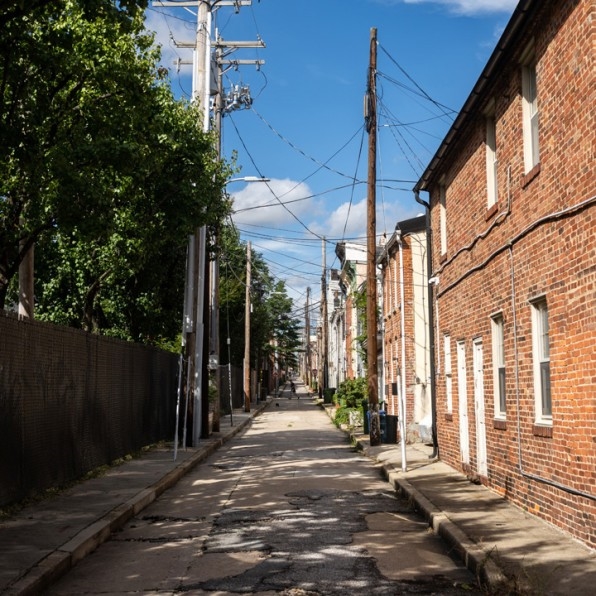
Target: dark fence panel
71	401
237	388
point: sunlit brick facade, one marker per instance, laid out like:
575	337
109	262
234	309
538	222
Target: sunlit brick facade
513	204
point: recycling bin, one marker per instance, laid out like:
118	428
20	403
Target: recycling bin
365	414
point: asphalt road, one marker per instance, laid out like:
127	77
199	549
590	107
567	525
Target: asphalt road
287	507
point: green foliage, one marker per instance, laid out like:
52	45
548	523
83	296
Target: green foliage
100	168
352	392
342	416
350	396
273	329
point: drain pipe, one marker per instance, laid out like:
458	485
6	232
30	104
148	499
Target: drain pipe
431	325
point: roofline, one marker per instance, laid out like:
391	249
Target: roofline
516	23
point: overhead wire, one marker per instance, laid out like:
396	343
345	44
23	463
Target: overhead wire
446	110
268	185
302	152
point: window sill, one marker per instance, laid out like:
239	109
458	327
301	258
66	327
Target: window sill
443	258
540	430
491	212
449	417
500	424
533	173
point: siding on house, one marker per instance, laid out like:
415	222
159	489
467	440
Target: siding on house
406	350
352	275
535	246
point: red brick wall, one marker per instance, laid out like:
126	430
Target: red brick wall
542	242
392	320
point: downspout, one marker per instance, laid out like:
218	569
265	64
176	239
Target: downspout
431	325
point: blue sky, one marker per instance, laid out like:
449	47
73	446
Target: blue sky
305	129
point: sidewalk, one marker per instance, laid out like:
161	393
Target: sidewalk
511	551
43	541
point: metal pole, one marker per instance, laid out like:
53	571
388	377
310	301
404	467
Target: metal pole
325	328
247	334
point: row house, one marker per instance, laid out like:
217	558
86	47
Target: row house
512	201
351	279
405	330
337	331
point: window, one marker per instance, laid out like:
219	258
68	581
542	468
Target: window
394	285
499	366
491	160
448	377
530	110
443	218
541	361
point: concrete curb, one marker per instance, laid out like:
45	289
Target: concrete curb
476	559
52	567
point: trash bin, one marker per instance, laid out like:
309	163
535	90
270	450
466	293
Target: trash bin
382	424
365	425
328	395
391	428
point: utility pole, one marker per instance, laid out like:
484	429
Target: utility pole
198	341
324	326
307	337
247	334
371	261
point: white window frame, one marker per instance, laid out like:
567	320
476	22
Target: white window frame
394	289
530	111
443	217
491	160
499	371
448	373
541	361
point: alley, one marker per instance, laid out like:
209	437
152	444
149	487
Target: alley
288	507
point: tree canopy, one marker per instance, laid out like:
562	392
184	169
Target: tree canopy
273	327
100	168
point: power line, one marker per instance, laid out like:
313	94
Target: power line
269	186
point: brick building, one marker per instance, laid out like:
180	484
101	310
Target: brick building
406	350
512	197
352	276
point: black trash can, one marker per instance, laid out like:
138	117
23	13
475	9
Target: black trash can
391	429
328	395
383	423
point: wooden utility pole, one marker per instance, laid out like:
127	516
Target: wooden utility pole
371	261
247	334
324	327
307	333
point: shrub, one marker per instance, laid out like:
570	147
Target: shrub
351	393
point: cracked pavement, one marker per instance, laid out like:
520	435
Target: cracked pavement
287	507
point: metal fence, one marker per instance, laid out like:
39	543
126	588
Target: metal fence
71	401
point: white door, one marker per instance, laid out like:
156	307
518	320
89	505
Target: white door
462	394
479	409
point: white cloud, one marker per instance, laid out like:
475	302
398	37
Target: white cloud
167	31
466	7
260	203
388	214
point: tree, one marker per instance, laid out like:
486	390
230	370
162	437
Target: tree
99	166
273	328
